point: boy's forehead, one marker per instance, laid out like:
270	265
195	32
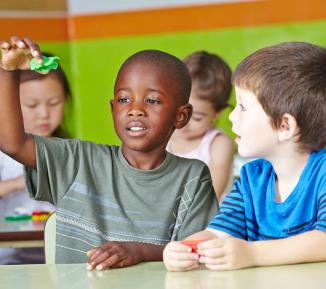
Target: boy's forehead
245	94
141	65
146	73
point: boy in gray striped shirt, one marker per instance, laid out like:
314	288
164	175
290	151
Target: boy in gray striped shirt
116	206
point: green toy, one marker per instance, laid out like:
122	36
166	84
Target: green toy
18	218
47	64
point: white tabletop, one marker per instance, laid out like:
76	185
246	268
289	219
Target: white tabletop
153	275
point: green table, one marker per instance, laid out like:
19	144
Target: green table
154	276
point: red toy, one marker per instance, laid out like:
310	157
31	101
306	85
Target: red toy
40	215
192	244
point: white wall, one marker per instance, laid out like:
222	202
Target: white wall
80	7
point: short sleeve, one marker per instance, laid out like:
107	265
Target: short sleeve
57	165
231	218
198	205
321	208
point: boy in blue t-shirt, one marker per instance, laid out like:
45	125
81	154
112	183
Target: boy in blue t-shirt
276	211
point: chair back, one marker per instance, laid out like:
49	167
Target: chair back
50	239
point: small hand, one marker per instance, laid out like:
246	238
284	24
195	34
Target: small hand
113	255
226	254
178	257
17	53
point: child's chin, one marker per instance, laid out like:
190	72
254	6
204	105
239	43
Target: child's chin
244	153
43	134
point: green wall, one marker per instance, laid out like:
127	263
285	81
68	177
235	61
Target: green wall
94	65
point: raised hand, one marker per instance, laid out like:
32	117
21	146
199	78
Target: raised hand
17	53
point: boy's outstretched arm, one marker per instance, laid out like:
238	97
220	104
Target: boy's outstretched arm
232	253
16	55
122	254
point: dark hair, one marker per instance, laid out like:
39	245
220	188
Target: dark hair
211	78
29	75
172	66
290	78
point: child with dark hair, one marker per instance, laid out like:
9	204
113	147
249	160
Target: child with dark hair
42	100
276	212
116	206
199	139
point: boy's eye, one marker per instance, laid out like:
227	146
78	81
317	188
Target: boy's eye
242	108
123	99
152	101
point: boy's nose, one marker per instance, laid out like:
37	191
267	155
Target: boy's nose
231	115
136	112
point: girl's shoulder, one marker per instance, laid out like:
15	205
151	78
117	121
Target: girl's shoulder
222	144
222	138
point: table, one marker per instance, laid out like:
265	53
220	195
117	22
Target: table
154	276
21	234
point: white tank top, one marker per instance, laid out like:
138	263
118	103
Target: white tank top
9	169
202	151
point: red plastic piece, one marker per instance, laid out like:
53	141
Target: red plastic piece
192	244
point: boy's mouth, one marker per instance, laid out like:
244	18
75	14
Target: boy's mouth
237	138
136	129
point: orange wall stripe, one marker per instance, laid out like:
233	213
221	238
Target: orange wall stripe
191	18
39	29
194	18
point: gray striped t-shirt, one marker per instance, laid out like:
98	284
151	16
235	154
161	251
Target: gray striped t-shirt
100	197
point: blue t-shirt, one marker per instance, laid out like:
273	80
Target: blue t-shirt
250	211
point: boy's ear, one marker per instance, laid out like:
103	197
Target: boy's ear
183	116
288	127
111	104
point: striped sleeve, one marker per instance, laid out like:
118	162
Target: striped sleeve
321	215
231	218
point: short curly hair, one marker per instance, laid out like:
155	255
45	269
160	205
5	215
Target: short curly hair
174	69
